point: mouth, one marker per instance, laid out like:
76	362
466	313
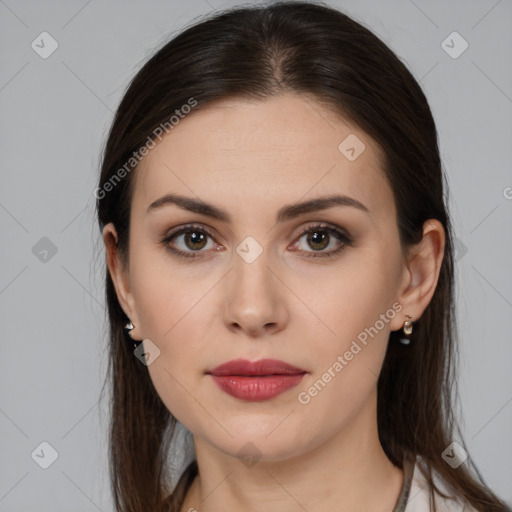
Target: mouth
256	381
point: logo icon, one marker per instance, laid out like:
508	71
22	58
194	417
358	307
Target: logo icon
454	455
44	250
351	147
44	45
147	352
44	455
249	454
454	45
249	249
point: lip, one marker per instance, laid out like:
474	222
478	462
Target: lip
256	381
263	367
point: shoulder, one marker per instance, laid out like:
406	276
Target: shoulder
419	495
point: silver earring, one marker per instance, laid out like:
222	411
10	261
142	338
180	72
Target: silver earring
127	330
407	328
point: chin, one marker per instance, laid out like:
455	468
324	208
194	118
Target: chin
260	447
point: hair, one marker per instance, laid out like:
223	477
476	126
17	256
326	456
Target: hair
257	53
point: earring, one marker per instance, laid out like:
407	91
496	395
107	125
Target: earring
407	328
127	330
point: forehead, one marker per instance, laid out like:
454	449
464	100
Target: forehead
287	147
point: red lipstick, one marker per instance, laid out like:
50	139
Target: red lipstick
258	380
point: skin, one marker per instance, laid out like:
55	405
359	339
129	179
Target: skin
251	158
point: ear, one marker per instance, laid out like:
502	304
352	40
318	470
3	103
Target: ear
420	273
119	272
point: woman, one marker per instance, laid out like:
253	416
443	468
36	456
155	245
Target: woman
280	275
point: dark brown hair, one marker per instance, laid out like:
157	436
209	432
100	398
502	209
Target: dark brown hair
257	53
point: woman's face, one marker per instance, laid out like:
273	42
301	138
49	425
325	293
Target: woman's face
253	287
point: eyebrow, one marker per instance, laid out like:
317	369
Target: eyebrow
285	213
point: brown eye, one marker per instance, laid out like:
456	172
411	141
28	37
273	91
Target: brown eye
187	240
318	237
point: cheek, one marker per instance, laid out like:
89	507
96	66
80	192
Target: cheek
353	296
355	309
170	309
165	291
175	391
170	321
173	317
346	364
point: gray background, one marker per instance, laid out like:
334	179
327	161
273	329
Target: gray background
55	115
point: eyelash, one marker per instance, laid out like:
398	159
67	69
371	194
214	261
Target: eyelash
346	241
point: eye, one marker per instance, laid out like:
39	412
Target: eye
192	237
320	236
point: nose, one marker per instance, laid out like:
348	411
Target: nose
254	301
